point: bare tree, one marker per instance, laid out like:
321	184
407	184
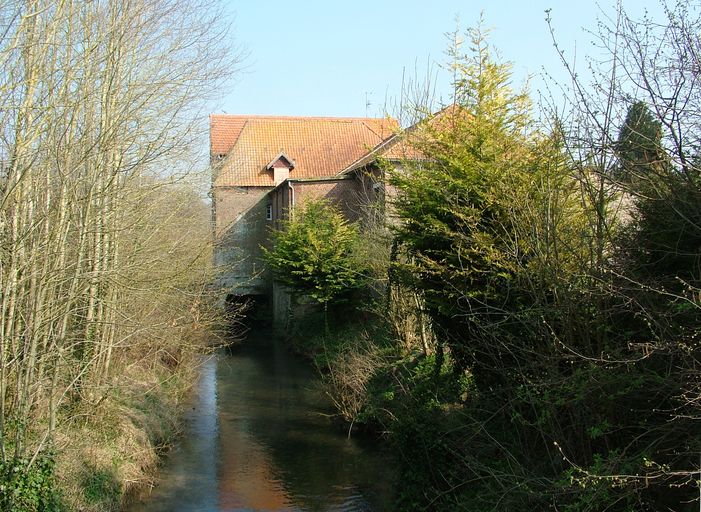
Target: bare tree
650	265
99	104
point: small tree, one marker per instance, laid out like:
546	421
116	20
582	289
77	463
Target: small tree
314	254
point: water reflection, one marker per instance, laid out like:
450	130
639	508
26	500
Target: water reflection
190	479
260	439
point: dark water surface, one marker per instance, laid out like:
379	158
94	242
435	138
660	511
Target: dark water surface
258	438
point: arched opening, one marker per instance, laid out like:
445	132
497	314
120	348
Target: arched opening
245	312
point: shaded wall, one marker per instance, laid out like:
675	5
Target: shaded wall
376	196
240	228
342	192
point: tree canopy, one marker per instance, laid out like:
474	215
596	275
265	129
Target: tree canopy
314	253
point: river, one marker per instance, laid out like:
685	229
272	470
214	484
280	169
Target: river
258	438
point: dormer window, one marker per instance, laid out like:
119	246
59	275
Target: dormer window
281	166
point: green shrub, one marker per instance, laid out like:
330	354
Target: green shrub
26	487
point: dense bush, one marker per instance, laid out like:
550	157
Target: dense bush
568	300
314	253
26	487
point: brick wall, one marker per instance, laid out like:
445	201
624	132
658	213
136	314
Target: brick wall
342	193
240	227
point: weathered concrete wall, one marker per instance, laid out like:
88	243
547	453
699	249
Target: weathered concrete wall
241	227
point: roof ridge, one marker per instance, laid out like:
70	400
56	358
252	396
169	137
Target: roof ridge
298	118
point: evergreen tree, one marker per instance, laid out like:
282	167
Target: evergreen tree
314	254
639	145
666	235
457	206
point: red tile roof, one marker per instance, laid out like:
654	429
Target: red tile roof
406	144
223	132
394	148
319	146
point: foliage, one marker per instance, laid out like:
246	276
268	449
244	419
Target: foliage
29	487
576	329
653	268
100	486
314	253
665	235
474	214
639	145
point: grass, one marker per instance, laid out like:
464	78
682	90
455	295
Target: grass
107	455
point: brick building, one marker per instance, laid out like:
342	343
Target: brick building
263	167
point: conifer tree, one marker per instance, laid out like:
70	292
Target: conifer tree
639	144
314	254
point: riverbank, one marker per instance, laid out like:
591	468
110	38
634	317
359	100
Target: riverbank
108	452
388	390
258	437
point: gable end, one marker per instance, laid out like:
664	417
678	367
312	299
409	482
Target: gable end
281	161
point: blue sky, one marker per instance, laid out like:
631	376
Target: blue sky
326	58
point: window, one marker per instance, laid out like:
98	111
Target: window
269	212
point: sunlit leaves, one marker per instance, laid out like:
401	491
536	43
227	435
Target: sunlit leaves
314	253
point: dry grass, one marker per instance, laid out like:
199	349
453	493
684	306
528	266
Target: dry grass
109	453
346	380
